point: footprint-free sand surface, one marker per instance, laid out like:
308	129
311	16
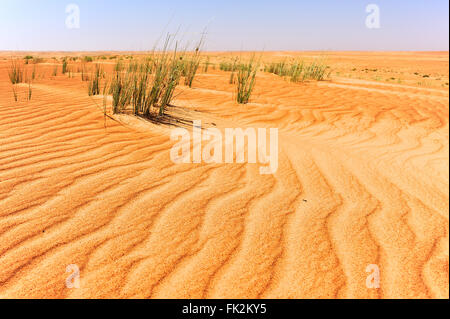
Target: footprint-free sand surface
363	179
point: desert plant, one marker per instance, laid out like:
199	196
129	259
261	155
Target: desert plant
94	84
14	92
167	71
298	71
30	90
148	85
64	66
193	63
28	58
246	78
120	90
105	98
15	72
315	71
190	70
171	82
280	68
233	67
139	88
232	78
84	75
37	60
118	66
228	65
207	63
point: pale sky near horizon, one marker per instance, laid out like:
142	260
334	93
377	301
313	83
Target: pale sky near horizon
40	25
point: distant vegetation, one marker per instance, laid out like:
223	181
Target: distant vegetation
27	58
299	71
37	60
17	74
64	66
146	85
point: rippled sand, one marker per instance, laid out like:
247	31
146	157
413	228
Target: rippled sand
363	179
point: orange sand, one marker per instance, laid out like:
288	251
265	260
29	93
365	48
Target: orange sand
363	179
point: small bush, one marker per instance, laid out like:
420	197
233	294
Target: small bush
28	58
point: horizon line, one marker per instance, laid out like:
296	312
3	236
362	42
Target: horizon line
220	51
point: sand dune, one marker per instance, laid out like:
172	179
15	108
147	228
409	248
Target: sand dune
363	179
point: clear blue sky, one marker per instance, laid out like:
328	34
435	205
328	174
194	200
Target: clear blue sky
232	25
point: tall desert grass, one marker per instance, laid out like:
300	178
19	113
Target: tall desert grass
227	65
207	64
84	75
233	69
246	78
234	66
94	84
15	72
171	81
30	90
193	63
315	71
120	90
145	86
33	74
105	99
299	71
64	66
37	60
16	75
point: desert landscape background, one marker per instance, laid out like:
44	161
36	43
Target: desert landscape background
363	179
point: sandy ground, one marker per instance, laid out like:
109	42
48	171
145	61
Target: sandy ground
363	179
